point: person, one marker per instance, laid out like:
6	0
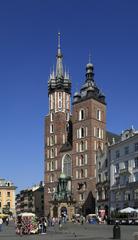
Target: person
45	225
60	223
19	225
1	222
7	221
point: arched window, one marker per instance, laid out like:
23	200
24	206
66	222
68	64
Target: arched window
81	160
81	114
52	153
52	178
52	165
51	116
82	132
81	146
81	173
51	101
60	100
67	165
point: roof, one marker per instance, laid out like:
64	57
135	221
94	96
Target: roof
112	137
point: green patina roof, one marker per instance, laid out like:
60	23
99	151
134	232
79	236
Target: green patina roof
63	176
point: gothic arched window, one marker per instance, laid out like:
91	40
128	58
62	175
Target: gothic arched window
67	165
81	114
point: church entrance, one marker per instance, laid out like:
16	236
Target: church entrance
63	211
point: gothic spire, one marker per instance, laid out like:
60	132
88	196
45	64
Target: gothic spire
59	64
89	70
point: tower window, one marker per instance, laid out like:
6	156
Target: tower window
76	160
59	100
51	101
52	153
51	128
63	138
81	160
52	178
81	146
67	101
85	158
51	140
77	147
48	153
82	132
86	173
51	116
52	166
81	114
47	166
77	174
81	173
98	114
47	141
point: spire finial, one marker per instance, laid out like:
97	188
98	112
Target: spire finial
58	39
90	57
59	65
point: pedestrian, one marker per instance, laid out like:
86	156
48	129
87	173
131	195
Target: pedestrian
45	225
1	222
7	221
19	225
60	223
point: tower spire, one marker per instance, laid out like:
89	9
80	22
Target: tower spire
59	65
58	40
90	57
89	69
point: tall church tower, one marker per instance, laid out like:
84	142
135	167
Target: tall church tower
89	123
56	125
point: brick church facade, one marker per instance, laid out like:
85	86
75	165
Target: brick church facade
73	136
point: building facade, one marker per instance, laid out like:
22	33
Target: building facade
124	171
103	175
7	197
31	200
72	137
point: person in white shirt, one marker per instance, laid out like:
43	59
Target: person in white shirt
1	222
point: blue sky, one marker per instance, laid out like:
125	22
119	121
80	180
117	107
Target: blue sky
28	44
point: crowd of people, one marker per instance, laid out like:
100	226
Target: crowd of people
30	225
4	220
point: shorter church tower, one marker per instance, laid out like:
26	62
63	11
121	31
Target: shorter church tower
56	125
89	122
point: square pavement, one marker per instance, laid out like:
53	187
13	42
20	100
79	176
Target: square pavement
71	231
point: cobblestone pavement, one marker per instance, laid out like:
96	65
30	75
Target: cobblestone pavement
72	231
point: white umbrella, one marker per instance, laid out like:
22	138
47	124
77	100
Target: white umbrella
127	210
27	214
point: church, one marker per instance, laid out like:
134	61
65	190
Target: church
73	133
